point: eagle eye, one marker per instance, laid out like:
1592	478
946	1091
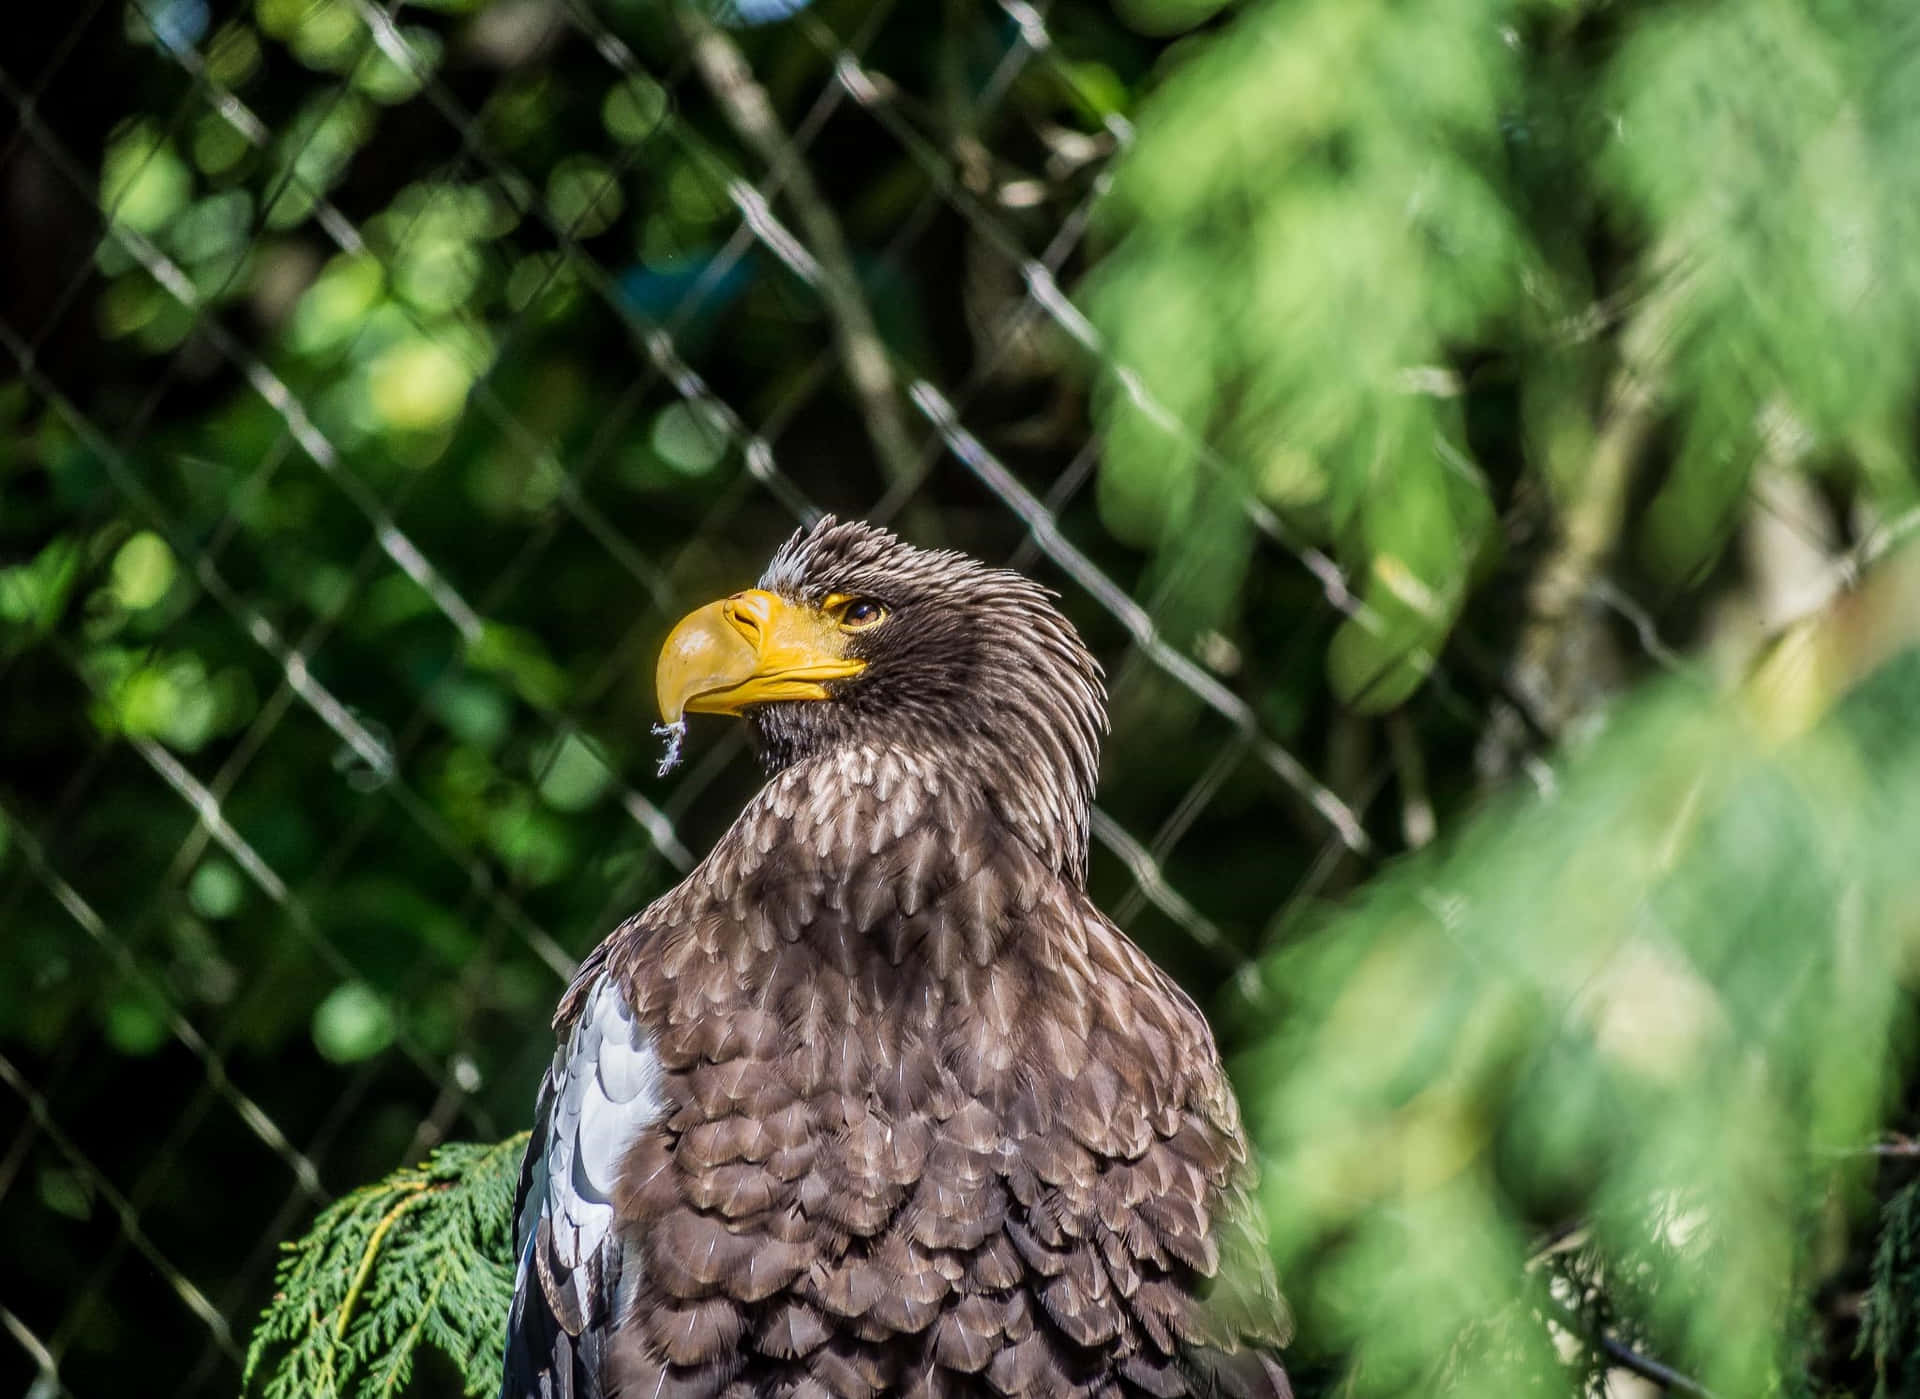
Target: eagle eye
856	613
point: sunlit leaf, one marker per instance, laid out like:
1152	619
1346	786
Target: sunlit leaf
691	437
418	385
1312	218
584	196
352	1023
216	889
143	571
572	776
633	109
143	182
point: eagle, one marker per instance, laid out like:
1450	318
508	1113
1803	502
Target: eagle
876	1101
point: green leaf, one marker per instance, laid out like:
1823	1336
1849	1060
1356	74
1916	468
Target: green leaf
1663	998
352	1023
519	656
1312	220
1424	534
1890	1312
423	1258
1765	148
32	594
570	775
143	183
143	571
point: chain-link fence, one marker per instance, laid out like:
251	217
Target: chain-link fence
389	379
529	619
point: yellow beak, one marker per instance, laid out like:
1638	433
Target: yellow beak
750	648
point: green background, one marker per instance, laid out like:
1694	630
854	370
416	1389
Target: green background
1440	419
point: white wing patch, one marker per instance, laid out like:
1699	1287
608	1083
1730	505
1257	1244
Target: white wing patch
604	1088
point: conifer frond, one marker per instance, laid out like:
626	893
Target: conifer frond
1314	213
1890	1313
422	1258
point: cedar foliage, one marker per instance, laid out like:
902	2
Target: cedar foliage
422	1259
1662	1004
1890	1321
1341	214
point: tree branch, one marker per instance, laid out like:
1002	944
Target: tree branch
1894	1146
1627	1358
724	70
1417	823
1647	1367
1550	670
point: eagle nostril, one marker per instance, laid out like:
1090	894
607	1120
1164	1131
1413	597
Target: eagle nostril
744	614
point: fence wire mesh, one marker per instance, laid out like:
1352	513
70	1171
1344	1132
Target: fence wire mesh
397	377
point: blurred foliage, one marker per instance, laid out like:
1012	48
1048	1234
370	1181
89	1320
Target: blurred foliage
1760	153
1665	1001
382	382
1891	1333
1314	218
1340	218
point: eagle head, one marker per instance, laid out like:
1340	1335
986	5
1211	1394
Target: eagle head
855	640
